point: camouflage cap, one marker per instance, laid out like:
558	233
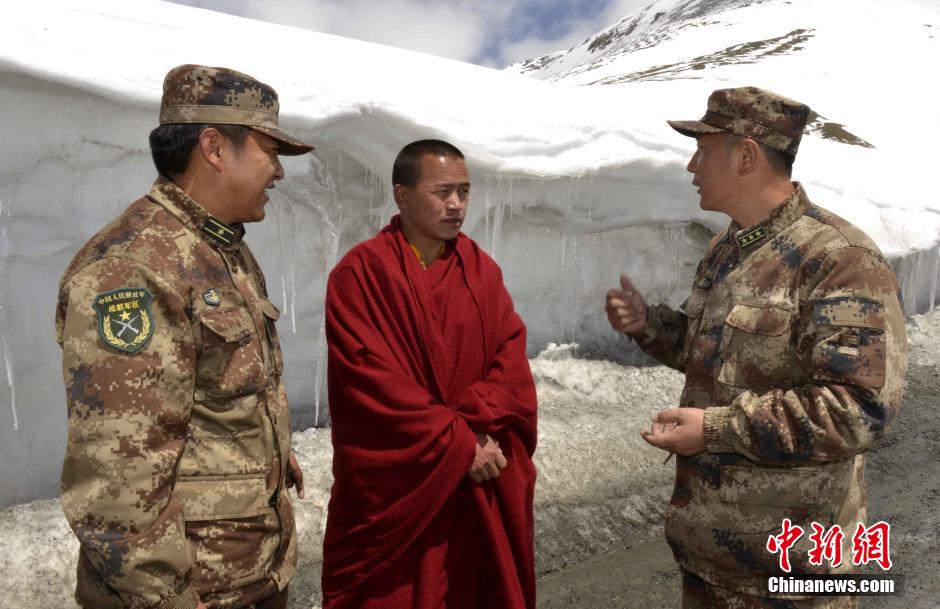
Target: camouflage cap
221	96
756	113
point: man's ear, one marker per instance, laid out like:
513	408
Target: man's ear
400	194
209	146
750	156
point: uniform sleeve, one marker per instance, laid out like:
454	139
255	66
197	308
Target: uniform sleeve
852	346
664	336
129	405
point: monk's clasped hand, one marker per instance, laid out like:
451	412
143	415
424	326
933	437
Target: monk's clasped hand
488	460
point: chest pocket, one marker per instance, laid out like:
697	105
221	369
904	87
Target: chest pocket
692	307
230	362
756	346
271	315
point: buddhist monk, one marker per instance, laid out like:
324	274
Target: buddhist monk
433	410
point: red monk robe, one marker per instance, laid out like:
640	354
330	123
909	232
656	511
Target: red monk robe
420	361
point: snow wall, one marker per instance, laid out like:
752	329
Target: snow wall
568	191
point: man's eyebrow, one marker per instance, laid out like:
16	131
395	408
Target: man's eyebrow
450	184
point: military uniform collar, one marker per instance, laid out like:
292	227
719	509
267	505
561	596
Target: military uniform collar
192	214
749	239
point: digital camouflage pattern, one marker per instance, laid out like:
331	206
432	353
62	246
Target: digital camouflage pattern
699	594
222	96
795	345
766	117
174	473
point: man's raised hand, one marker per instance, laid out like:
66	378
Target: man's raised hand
626	309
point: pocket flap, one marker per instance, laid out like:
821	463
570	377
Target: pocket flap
231	325
269	310
222	497
849	311
766	320
694	304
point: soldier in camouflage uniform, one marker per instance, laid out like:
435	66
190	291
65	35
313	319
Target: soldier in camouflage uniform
178	459
794	349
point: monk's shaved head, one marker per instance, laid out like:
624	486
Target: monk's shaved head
406	171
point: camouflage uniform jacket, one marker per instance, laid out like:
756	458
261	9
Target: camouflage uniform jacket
178	425
794	342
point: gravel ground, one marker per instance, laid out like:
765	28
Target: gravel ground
600	497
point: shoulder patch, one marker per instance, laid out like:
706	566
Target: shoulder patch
125	318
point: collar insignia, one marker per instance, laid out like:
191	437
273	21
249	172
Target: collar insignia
212	297
219	230
752	236
704	283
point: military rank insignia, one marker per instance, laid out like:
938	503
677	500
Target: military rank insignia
212	297
752	236
125	319
220	230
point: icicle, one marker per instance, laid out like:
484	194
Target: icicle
934	277
111	196
564	281
8	365
511	205
502	200
280	244
910	282
4	326
322	200
380	203
918	274
486	211
339	164
330	236
673	236
591	200
292	269
285	256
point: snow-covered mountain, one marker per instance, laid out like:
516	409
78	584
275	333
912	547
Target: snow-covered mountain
866	63
571	184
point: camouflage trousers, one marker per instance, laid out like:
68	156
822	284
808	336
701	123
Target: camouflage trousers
699	594
278	600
